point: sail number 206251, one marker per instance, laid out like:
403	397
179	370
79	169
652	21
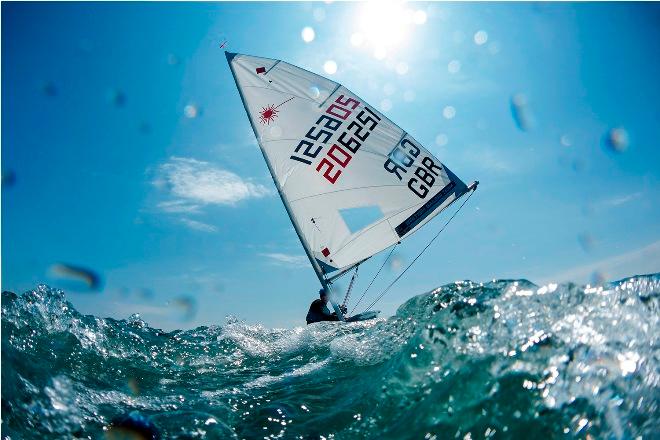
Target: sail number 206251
348	142
351	140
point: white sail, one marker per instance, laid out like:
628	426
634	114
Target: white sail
353	182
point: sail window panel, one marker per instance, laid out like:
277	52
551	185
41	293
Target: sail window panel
359	218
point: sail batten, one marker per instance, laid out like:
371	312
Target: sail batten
352	181
341	190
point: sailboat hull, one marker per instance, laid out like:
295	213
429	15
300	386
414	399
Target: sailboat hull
372	314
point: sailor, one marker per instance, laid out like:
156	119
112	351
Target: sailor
318	310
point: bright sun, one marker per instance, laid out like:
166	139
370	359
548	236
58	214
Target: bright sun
384	25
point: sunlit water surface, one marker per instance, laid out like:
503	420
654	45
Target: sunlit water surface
502	359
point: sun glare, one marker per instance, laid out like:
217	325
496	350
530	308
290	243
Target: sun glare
385	25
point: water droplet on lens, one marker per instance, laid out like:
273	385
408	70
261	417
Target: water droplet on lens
8	179
69	272
441	140
330	67
385	105
449	112
598	278
187	307
586	241
481	37
307	34
617	139
117	98
519	100
454	66
191	111
521	112
396	262
49	89
314	92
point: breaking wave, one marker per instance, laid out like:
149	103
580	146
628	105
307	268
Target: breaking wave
505	359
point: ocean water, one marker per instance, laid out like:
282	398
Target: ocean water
505	359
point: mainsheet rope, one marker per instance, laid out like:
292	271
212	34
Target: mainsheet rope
418	255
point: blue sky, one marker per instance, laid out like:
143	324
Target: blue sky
132	155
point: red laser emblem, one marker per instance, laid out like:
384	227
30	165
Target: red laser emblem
269	113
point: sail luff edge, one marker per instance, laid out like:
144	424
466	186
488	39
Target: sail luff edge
296	227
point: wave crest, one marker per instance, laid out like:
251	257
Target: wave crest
505	357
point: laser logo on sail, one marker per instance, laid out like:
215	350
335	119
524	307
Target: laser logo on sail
269	113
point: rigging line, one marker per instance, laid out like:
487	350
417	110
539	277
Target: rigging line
374	279
350	286
418	255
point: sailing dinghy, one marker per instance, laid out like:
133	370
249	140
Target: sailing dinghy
352	182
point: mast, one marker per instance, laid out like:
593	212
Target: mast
296	227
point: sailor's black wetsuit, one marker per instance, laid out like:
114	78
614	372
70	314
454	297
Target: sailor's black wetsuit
319	312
